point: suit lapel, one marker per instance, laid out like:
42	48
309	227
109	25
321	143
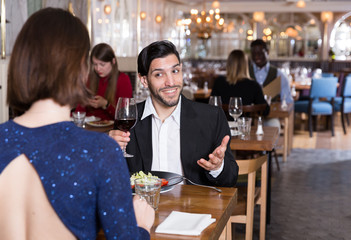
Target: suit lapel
143	134
187	131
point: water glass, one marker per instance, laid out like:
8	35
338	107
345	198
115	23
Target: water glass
244	125
215	101
79	118
149	188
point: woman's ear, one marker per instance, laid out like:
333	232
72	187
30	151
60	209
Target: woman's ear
114	61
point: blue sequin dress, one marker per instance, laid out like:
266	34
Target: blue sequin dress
83	173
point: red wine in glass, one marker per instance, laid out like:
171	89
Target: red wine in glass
125	117
124	124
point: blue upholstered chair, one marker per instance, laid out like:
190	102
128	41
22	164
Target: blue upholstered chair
325	75
343	104
321	100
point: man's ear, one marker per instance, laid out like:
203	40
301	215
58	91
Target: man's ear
143	80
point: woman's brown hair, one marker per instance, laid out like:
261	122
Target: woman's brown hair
237	66
49	60
105	53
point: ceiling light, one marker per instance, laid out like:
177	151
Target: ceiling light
142	15
327	16
258	16
204	24
301	4
107	9
158	19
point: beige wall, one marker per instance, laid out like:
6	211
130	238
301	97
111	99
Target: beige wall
4	110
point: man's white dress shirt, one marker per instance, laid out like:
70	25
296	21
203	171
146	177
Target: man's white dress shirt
166	140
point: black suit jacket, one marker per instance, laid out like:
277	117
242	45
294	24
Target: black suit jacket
202	128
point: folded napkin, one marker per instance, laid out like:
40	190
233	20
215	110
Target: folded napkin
185	223
232	124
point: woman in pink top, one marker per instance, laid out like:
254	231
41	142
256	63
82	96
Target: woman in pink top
106	83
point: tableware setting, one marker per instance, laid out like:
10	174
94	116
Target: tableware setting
149	188
234	125
79	118
235	109
100	123
169	179
244	126
215	101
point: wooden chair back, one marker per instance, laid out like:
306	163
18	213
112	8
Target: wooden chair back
254	111
25	211
250	166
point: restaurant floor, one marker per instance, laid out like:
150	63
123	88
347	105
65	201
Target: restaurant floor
311	192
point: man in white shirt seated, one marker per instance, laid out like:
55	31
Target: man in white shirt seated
173	133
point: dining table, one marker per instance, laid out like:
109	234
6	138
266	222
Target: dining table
202	94
260	143
190	199
198	200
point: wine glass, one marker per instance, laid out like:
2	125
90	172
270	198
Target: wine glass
215	101
125	117
235	109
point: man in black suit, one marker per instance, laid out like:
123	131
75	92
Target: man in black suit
173	133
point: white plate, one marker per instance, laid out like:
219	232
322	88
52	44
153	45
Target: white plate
92	119
103	123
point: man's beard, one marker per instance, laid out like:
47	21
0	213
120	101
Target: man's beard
170	103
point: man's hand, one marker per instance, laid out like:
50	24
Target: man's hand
216	157
122	138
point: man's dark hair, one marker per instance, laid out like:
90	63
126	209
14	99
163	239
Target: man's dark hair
159	49
259	42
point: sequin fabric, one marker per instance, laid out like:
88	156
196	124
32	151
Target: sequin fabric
84	174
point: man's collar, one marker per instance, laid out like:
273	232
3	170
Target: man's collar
265	67
149	109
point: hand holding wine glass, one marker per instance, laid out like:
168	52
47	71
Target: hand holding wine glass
125	117
235	109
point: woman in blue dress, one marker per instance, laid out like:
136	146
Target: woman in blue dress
58	181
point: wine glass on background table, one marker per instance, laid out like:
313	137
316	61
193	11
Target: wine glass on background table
215	101
125	117
235	109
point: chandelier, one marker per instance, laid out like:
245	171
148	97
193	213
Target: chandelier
204	23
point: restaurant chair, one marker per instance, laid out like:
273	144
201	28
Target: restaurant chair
325	75
254	111
320	102
244	210
343	104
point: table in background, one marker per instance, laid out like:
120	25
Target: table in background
194	199
255	143
98	129
288	116
200	94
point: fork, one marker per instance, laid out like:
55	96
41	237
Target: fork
196	184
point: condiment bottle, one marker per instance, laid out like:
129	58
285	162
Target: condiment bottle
259	127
